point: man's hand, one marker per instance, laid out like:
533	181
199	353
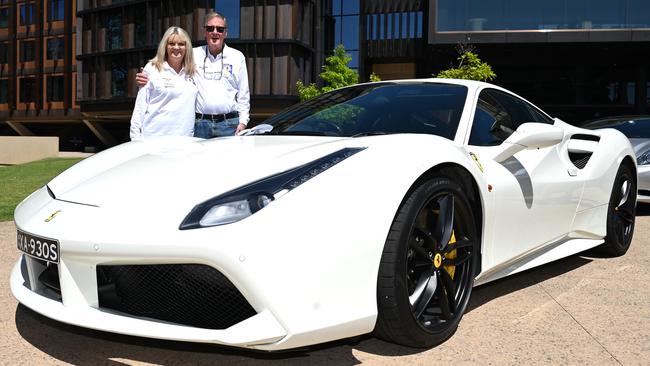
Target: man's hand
141	78
240	127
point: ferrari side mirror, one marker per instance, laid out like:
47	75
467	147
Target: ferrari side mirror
530	135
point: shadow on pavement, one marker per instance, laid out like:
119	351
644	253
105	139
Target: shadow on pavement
82	346
493	290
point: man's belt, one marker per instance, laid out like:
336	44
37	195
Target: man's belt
217	117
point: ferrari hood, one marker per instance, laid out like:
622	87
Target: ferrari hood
178	171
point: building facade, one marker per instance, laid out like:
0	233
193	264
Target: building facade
577	59
38	69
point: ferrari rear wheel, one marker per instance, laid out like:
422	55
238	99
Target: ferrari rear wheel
621	213
428	266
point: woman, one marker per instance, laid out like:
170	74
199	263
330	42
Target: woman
165	105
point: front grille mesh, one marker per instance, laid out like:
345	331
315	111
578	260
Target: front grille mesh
188	294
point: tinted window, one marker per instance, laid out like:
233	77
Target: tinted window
27	12
4	90
480	15
28	90
378	108
55	88
498	115
4	17
27	51
3	52
55	10
55	48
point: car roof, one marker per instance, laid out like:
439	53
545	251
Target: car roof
614	120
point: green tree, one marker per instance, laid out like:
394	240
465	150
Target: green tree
470	67
336	74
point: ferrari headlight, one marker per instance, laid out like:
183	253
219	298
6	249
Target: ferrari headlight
244	201
228	212
643	159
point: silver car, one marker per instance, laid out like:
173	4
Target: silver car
637	129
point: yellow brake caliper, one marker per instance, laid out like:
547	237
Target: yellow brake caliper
451	255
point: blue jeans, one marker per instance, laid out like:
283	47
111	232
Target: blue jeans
207	129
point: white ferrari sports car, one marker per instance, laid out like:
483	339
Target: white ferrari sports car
372	208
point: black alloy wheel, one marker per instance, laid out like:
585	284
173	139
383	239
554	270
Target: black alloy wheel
428	266
621	213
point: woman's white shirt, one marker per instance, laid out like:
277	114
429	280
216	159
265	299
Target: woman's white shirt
165	105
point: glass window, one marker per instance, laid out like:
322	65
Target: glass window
350	32
478	15
350	7
27	50
522	15
346	28
27	14
4	91
377	108
4	17
114	31
230	9
4	49
498	115
552	18
354	63
55	48
336	7
638	13
621	93
119	76
389	26
140	34
55	88
55	10
28	90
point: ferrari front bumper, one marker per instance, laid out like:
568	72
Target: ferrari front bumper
295	302
259	329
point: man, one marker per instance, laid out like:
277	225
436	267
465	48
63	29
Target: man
223	99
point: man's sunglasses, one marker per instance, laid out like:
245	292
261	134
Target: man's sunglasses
211	28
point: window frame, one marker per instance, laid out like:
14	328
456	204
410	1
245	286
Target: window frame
503	105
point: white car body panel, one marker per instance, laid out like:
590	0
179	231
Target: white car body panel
310	278
640	146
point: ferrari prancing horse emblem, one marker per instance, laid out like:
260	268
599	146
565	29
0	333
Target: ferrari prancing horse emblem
437	260
52	216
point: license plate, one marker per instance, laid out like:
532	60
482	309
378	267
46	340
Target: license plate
38	247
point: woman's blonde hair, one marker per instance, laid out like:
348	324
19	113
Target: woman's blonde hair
161	54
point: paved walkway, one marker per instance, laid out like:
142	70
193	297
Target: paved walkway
73	154
583	310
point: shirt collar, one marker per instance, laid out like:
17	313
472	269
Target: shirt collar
213	58
166	66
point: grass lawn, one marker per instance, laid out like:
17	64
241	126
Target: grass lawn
18	181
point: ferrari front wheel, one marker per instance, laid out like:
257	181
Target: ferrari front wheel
428	266
621	213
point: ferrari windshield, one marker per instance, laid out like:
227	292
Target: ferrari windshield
376	108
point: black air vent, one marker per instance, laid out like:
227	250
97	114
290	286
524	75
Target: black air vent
188	294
